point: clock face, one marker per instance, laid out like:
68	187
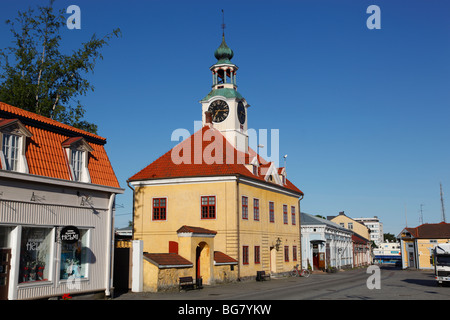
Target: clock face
241	112
219	110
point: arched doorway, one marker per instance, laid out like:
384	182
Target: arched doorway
202	262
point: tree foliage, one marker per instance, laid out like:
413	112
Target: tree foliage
38	77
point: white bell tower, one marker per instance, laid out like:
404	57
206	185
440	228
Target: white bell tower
228	108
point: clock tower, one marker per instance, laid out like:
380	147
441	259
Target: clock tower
228	108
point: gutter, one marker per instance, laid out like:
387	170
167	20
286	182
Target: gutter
109	246
132	216
238	231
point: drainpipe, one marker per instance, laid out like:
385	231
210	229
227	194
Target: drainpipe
132	218
300	231
238	230
109	245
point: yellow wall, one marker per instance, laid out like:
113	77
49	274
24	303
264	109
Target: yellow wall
184	208
358	227
425	251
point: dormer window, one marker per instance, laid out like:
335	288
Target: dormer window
10	150
13	140
77	152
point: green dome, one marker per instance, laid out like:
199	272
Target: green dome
223	53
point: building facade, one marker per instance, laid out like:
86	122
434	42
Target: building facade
214	181
325	244
351	224
417	244
57	191
376	228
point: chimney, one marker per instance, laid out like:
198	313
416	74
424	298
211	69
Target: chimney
342	213
208	119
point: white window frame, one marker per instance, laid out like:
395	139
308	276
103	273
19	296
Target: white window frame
81	148
14	128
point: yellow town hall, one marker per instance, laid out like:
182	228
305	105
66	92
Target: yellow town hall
211	207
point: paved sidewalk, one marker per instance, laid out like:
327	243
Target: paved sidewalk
233	290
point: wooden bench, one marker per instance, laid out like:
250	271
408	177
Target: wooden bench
186	282
261	276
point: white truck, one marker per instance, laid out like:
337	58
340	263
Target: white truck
442	263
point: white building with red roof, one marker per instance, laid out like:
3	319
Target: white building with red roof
57	191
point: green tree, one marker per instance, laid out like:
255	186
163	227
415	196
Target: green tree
37	77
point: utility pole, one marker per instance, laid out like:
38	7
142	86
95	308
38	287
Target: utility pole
442	204
421	215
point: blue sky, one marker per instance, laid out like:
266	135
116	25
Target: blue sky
362	114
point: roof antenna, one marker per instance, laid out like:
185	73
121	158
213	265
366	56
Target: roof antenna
442	204
223	23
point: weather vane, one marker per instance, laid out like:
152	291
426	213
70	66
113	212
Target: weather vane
223	23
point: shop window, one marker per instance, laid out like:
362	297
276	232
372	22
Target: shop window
35	252
74	258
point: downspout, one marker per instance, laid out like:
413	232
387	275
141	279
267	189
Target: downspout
109	245
300	230
238	230
132	218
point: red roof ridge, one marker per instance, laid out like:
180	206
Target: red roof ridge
196	230
36	117
201	164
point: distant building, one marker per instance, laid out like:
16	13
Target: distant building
351	224
417	244
375	227
387	253
325	244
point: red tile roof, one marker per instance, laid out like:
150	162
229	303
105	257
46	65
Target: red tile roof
219	158
44	149
197	230
167	259
431	231
222	258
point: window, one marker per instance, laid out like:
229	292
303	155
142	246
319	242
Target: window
294	253
245	255
13	136
257	255
208	204
77	152
74	258
285	214
77	164
244	207
255	170
350	225
159	208
256	209
35	252
286	253
11	151
271	212
293	215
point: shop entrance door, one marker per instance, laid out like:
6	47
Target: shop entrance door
5	264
